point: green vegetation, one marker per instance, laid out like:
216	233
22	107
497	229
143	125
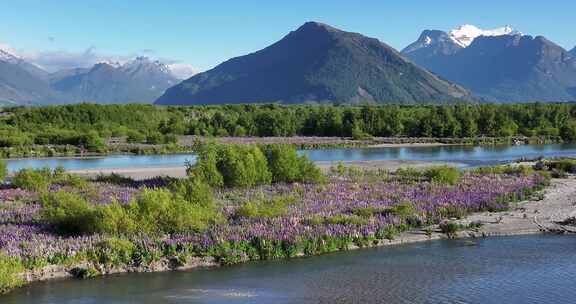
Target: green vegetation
239	203
443	175
249	165
286	166
10	267
274	207
153	212
40	179
3	170
73	129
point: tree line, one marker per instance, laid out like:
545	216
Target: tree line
88	124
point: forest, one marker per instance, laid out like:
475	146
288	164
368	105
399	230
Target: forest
90	125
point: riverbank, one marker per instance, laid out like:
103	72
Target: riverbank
527	217
141	173
188	144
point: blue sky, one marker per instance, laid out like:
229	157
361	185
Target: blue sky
205	33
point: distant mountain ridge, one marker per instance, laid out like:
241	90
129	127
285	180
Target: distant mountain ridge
138	81
502	68
141	80
316	63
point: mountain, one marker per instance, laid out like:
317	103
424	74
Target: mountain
141	80
573	51
504	66
316	63
430	46
23	83
465	34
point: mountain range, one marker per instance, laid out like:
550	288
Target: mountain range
316	63
138	81
500	65
319	63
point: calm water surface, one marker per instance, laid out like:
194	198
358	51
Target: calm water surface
511	270
464	155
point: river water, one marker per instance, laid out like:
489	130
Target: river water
512	270
461	155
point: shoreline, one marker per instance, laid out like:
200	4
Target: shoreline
177	171
523	218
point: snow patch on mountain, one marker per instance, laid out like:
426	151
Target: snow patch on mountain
465	34
8	57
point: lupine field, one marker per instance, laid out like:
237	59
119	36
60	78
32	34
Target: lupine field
238	203
313	218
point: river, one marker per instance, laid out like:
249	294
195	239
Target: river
460	155
513	270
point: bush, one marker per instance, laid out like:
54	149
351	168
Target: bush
563	165
450	229
408	174
206	167
113	252
194	191
286	166
68	212
275	207
33	179
41	179
10	268
443	175
243	166
153	212
93	142
3	170
158	211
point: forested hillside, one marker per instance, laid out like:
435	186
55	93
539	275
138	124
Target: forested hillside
86	124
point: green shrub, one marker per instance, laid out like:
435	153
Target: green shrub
243	166
114	252
194	191
287	166
444	175
152	212
563	165
403	210
68	212
93	142
275	207
3	170
114	219
41	179
206	167
114	178
159	211
408	174
33	179
450	229
10	268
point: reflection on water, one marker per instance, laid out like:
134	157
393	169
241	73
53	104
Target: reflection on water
468	155
471	155
512	270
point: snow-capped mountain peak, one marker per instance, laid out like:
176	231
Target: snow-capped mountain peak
8	57
465	34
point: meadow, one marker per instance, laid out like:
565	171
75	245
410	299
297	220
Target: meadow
239	203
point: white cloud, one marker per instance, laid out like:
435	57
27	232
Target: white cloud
183	70
55	60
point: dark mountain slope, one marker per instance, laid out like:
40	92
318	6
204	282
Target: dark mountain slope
139	81
316	63
507	68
